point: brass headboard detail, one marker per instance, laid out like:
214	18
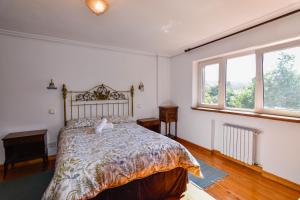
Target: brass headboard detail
101	95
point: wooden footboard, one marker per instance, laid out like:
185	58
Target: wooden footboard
155	187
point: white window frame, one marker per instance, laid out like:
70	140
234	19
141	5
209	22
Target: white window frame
201	67
225	60
259	87
261	107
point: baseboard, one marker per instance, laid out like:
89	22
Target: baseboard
183	141
258	169
280	180
218	153
253	167
35	161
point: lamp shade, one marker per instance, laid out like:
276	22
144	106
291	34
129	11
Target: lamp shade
97	6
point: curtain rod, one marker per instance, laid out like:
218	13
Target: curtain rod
244	30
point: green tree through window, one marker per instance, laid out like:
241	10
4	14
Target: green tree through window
282	85
281	88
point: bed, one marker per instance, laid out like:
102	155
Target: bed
125	162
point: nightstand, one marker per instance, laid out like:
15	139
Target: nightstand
23	146
150	123
169	114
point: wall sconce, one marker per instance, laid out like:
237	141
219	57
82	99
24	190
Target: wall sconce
51	85
141	87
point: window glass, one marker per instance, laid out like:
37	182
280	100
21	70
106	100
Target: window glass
210	84
240	82
281	78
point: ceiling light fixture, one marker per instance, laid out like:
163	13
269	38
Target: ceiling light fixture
97	6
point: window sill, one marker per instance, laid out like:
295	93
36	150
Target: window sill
251	114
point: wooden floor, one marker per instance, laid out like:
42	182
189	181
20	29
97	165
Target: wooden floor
241	183
27	168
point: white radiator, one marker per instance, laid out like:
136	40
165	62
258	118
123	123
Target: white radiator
239	142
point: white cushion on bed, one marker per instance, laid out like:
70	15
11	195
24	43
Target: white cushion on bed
100	126
103	125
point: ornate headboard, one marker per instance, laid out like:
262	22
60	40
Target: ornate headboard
101	100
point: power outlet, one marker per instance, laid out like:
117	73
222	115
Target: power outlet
51	111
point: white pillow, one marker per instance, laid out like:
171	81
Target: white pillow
119	119
82	122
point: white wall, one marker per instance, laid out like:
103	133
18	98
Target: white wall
27	65
279	142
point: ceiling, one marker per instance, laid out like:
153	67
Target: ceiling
164	27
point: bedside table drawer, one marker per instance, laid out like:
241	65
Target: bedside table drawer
23	151
23	140
172	116
168	114
150	123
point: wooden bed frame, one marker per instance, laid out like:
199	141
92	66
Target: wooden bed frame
163	185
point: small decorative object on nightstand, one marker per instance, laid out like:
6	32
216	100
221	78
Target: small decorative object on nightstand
169	114
22	146
150	123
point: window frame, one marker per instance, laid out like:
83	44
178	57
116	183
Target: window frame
226	59
201	80
262	51
259	87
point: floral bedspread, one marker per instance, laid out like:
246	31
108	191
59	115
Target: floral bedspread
88	163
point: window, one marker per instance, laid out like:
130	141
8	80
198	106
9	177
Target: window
281	78
240	82
265	80
210	75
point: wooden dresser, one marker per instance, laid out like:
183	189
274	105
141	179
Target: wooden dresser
169	114
150	123
22	146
